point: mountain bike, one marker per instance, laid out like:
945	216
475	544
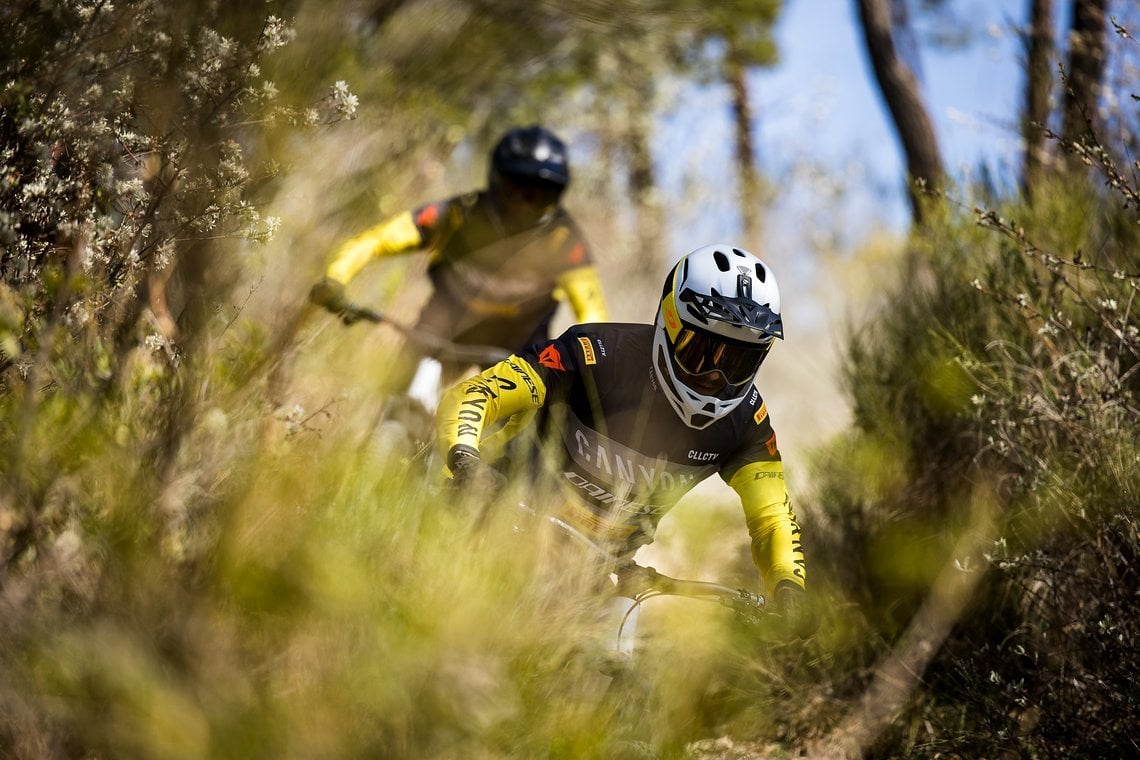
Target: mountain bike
627	700
404	426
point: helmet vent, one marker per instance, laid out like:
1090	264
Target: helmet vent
761	273
721	261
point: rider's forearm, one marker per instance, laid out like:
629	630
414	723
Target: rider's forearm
776	547
470	408
583	289
393	236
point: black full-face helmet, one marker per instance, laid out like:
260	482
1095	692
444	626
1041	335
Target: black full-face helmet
528	173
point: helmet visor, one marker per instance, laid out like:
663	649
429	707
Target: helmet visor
699	353
529	192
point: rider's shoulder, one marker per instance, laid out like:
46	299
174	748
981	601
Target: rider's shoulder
445	212
597	342
611	329
753	407
563	219
753	399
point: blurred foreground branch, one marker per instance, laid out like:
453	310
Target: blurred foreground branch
899	675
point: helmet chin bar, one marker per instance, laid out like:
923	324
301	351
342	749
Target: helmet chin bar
695	410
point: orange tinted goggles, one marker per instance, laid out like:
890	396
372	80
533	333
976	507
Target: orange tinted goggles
699	353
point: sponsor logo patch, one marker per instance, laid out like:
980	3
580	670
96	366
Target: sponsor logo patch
588	350
703	456
771	445
761	413
427	216
551	358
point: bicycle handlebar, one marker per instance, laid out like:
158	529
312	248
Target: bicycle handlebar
741	601
440	348
643	582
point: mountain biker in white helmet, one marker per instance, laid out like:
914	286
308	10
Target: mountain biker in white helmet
638	414
500	260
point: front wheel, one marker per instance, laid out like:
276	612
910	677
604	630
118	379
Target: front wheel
629	702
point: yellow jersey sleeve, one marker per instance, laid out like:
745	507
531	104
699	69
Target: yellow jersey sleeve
392	236
776	547
582	287
509	391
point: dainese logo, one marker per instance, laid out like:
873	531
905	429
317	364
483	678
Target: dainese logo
549	357
770	444
428	216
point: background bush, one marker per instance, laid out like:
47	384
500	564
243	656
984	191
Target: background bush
997	391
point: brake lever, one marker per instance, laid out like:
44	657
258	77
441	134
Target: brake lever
747	606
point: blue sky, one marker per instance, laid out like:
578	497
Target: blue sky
824	135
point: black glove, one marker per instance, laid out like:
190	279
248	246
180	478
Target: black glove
634	579
798	618
472	474
329	293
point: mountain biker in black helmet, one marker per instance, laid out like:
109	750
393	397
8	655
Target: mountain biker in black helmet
500	259
629	417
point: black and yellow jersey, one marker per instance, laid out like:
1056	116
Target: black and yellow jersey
622	456
492	285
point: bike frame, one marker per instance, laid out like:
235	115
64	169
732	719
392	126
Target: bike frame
440	348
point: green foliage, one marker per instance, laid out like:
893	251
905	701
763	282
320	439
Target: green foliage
343	611
1008	362
123	170
740	32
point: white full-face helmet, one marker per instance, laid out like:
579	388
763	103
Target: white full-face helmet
718	318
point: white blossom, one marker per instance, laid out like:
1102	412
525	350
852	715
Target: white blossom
276	34
343	101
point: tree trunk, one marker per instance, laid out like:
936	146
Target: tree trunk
750	211
1086	69
1038	86
643	191
610	140
900	91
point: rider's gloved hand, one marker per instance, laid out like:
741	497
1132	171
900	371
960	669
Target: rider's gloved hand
330	294
634	579
798	618
472	474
